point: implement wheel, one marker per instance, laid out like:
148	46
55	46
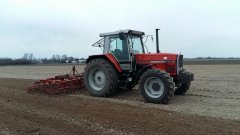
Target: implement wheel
156	86
100	78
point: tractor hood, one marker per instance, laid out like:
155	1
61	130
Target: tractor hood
154	58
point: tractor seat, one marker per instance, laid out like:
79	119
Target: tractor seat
117	52
120	55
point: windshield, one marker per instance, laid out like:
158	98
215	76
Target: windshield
136	44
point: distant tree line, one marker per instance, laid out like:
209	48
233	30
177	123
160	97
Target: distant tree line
211	60
61	59
29	59
215	58
9	61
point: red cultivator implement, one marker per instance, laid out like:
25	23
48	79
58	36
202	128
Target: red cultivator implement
59	84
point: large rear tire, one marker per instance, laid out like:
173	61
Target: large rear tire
182	89
156	86
100	78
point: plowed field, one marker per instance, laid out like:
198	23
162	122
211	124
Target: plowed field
212	106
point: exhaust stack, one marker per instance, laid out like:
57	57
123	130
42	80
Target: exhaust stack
157	43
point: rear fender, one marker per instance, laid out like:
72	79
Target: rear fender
109	57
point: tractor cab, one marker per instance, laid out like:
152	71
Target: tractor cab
123	45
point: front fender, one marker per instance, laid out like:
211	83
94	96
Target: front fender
141	71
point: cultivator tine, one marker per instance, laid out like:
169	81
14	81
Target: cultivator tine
59	84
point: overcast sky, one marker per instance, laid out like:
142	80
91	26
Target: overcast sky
46	27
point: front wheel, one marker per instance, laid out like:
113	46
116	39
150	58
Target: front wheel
156	86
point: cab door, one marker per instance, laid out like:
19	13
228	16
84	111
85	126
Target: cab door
120	49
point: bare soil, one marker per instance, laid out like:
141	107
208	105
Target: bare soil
211	106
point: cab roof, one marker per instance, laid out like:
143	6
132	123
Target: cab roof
126	31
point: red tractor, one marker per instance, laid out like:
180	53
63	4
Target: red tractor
124	63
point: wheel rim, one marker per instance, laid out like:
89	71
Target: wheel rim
97	79
154	87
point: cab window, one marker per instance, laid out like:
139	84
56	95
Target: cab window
119	48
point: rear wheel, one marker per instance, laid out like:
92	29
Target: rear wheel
156	86
182	89
100	78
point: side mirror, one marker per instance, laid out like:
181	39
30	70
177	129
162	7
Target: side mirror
122	36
